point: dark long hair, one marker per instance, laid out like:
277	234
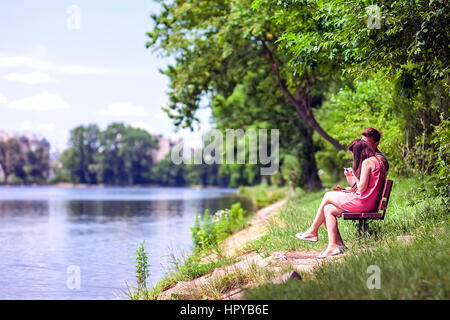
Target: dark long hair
361	151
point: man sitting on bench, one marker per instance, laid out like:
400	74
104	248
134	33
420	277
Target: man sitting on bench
372	136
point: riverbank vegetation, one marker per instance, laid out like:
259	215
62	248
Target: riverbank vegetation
210	230
410	248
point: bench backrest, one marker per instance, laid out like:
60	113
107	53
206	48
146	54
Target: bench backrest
385	197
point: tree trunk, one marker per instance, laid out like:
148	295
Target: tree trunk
303	107
312	180
309	117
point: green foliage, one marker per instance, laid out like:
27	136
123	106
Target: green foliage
167	173
10	157
37	165
195	232
406	123
211	231
257	104
142	267
24	163
81	156
366	103
192	267
125	155
411	35
273	64
204	235
118	155
227	51
441	169
204	175
264	199
228	221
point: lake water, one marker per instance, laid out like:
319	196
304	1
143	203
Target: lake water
52	236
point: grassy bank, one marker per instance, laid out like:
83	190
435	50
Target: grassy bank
416	269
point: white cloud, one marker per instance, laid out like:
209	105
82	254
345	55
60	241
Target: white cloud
41	102
8	61
3	99
143	125
28	78
81	70
123	109
19	61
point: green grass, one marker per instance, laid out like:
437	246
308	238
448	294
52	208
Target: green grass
264	195
417	270
186	268
406	215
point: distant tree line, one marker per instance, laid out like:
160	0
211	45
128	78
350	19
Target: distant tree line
24	160
123	155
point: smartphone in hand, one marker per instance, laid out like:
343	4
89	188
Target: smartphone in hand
348	171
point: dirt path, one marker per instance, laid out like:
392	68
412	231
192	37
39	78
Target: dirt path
257	228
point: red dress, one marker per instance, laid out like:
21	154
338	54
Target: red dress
367	200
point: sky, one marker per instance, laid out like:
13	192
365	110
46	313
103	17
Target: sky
65	63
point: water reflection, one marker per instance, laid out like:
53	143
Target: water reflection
30	208
41	237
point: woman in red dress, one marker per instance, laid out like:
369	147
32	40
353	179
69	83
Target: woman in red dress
369	175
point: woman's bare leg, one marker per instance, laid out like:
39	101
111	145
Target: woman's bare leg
340	241
334	239
328	198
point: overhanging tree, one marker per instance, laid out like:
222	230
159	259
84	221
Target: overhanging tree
215	43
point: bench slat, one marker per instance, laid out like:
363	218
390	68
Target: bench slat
361	215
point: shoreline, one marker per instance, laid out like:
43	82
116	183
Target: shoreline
101	186
282	265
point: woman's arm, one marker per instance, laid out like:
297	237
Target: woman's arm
350	177
363	182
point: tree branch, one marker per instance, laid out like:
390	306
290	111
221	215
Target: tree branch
302	103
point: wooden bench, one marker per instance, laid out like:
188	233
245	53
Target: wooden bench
362	217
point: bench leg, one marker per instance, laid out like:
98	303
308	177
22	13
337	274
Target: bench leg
363	227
